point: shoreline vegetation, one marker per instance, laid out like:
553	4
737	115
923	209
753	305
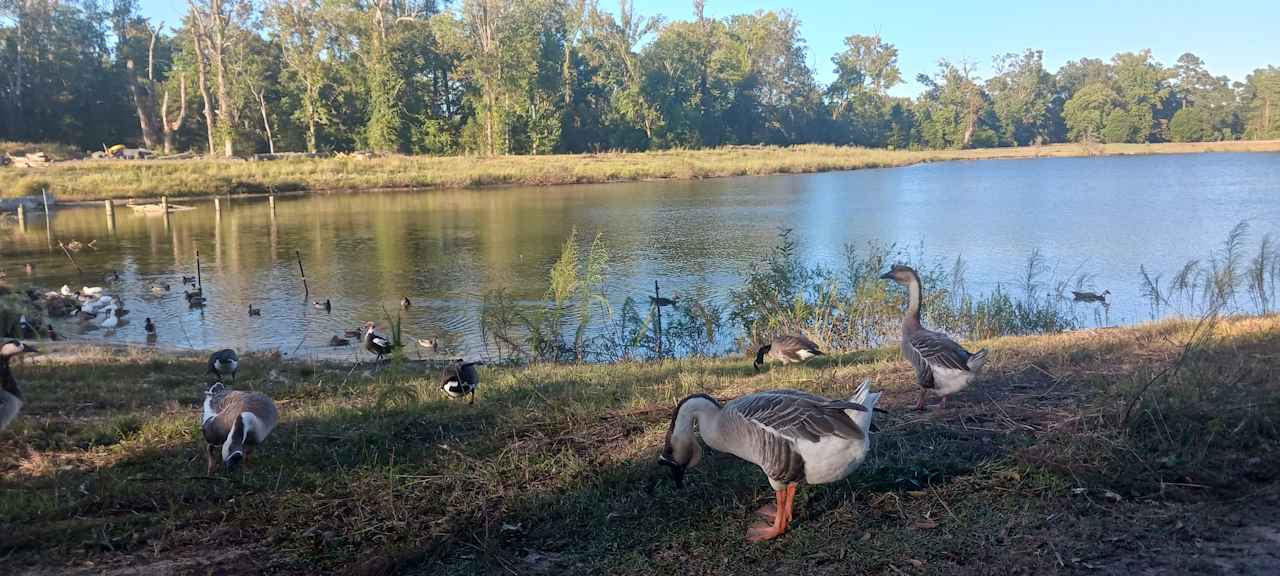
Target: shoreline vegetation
90	180
373	471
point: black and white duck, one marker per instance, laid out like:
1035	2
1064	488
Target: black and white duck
10	394
224	363
942	365
326	306
374	343
460	379
235	422
254	311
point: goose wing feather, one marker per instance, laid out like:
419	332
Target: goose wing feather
937	350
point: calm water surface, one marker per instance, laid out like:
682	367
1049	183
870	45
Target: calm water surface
443	249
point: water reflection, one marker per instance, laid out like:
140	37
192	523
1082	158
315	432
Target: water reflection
444	249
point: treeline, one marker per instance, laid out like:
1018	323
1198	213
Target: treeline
541	76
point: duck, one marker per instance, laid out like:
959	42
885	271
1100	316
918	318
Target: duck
428	343
357	333
460	379
323	305
91	291
160	288
150	328
405	303
121	311
66	291
1090	296
224	362
337	341
254	311
10	394
374	343
663	302
793	436
112	277
235	422
196	301
942	365
188	279
788	349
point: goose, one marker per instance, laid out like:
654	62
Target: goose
405	303
1090	296
254	311
337	341
10	393
150	328
66	291
374	343
91	291
323	305
661	302
224	362
793	436
941	364
235	422
460	379
112	320
787	349
188	279
428	343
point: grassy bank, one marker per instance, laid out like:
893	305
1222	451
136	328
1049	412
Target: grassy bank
90	179
552	470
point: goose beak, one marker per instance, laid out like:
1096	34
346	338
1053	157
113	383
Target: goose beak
677	470
887	276
232	463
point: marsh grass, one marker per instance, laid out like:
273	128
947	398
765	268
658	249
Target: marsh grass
95	180
552	468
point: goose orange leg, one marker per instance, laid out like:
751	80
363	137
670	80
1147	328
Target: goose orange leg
781	517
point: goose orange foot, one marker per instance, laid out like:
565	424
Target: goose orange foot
781	518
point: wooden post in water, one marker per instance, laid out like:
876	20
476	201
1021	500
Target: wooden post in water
45	193
658	318
22	217
48	222
164	204
271	199
306	289
111	215
199	280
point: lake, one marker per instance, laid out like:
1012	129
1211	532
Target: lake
443	249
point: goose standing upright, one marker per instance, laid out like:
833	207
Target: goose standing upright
374	343
941	364
787	349
224	362
235	422
793	436
460	379
405	303
10	393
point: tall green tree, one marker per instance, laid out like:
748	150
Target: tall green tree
1022	94
858	98
1261	93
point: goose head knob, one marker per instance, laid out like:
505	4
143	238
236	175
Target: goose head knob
899	273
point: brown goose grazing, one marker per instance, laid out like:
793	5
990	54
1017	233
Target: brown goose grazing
793	436
10	393
460	379
942	366
788	350
1090	296
235	422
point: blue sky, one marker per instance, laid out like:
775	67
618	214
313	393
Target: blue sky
1231	37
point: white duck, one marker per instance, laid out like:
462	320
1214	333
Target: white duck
793	436
112	320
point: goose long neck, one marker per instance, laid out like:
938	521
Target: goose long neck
912	319
703	411
7	382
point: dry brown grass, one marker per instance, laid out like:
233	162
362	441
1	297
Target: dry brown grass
100	179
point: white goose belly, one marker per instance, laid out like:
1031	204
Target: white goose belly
831	459
947	381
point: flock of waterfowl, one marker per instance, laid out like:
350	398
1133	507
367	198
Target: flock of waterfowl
795	437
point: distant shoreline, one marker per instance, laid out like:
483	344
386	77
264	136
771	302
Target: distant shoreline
96	180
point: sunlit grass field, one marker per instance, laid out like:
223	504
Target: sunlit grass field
101	179
552	471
